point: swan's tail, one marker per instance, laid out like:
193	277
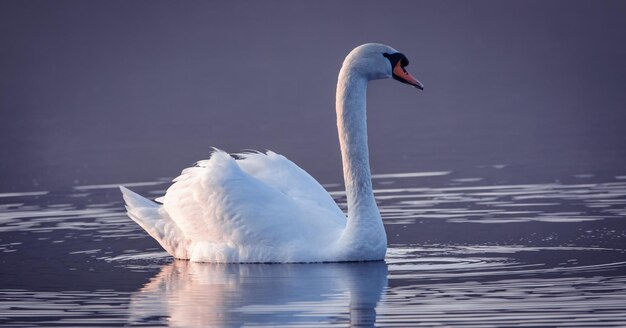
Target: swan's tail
155	221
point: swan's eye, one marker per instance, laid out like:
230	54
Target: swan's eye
397	57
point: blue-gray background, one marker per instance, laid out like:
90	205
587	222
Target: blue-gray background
122	91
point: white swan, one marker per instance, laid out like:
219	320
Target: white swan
264	208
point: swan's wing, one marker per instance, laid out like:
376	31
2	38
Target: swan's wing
218	203
277	171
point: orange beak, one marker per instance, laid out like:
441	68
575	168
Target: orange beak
400	74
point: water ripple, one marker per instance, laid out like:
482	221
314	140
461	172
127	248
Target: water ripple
552	255
503	203
439	285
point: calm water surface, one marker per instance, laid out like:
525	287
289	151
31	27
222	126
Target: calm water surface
464	251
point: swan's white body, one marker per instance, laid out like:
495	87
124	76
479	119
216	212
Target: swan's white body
264	208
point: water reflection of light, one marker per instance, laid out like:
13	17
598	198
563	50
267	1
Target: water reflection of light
201	294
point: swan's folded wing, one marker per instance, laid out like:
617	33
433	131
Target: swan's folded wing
261	199
218	202
277	171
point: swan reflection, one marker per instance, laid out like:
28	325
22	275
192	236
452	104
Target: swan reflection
186	294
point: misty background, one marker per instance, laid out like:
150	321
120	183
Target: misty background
95	92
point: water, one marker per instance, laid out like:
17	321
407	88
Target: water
462	253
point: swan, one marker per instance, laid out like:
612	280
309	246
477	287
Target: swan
263	208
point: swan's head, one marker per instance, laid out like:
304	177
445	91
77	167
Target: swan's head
378	61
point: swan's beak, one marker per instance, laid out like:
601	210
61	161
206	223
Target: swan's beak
400	74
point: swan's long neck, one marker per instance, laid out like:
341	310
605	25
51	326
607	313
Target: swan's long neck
364	221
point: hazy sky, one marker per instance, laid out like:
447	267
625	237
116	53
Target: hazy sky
120	91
